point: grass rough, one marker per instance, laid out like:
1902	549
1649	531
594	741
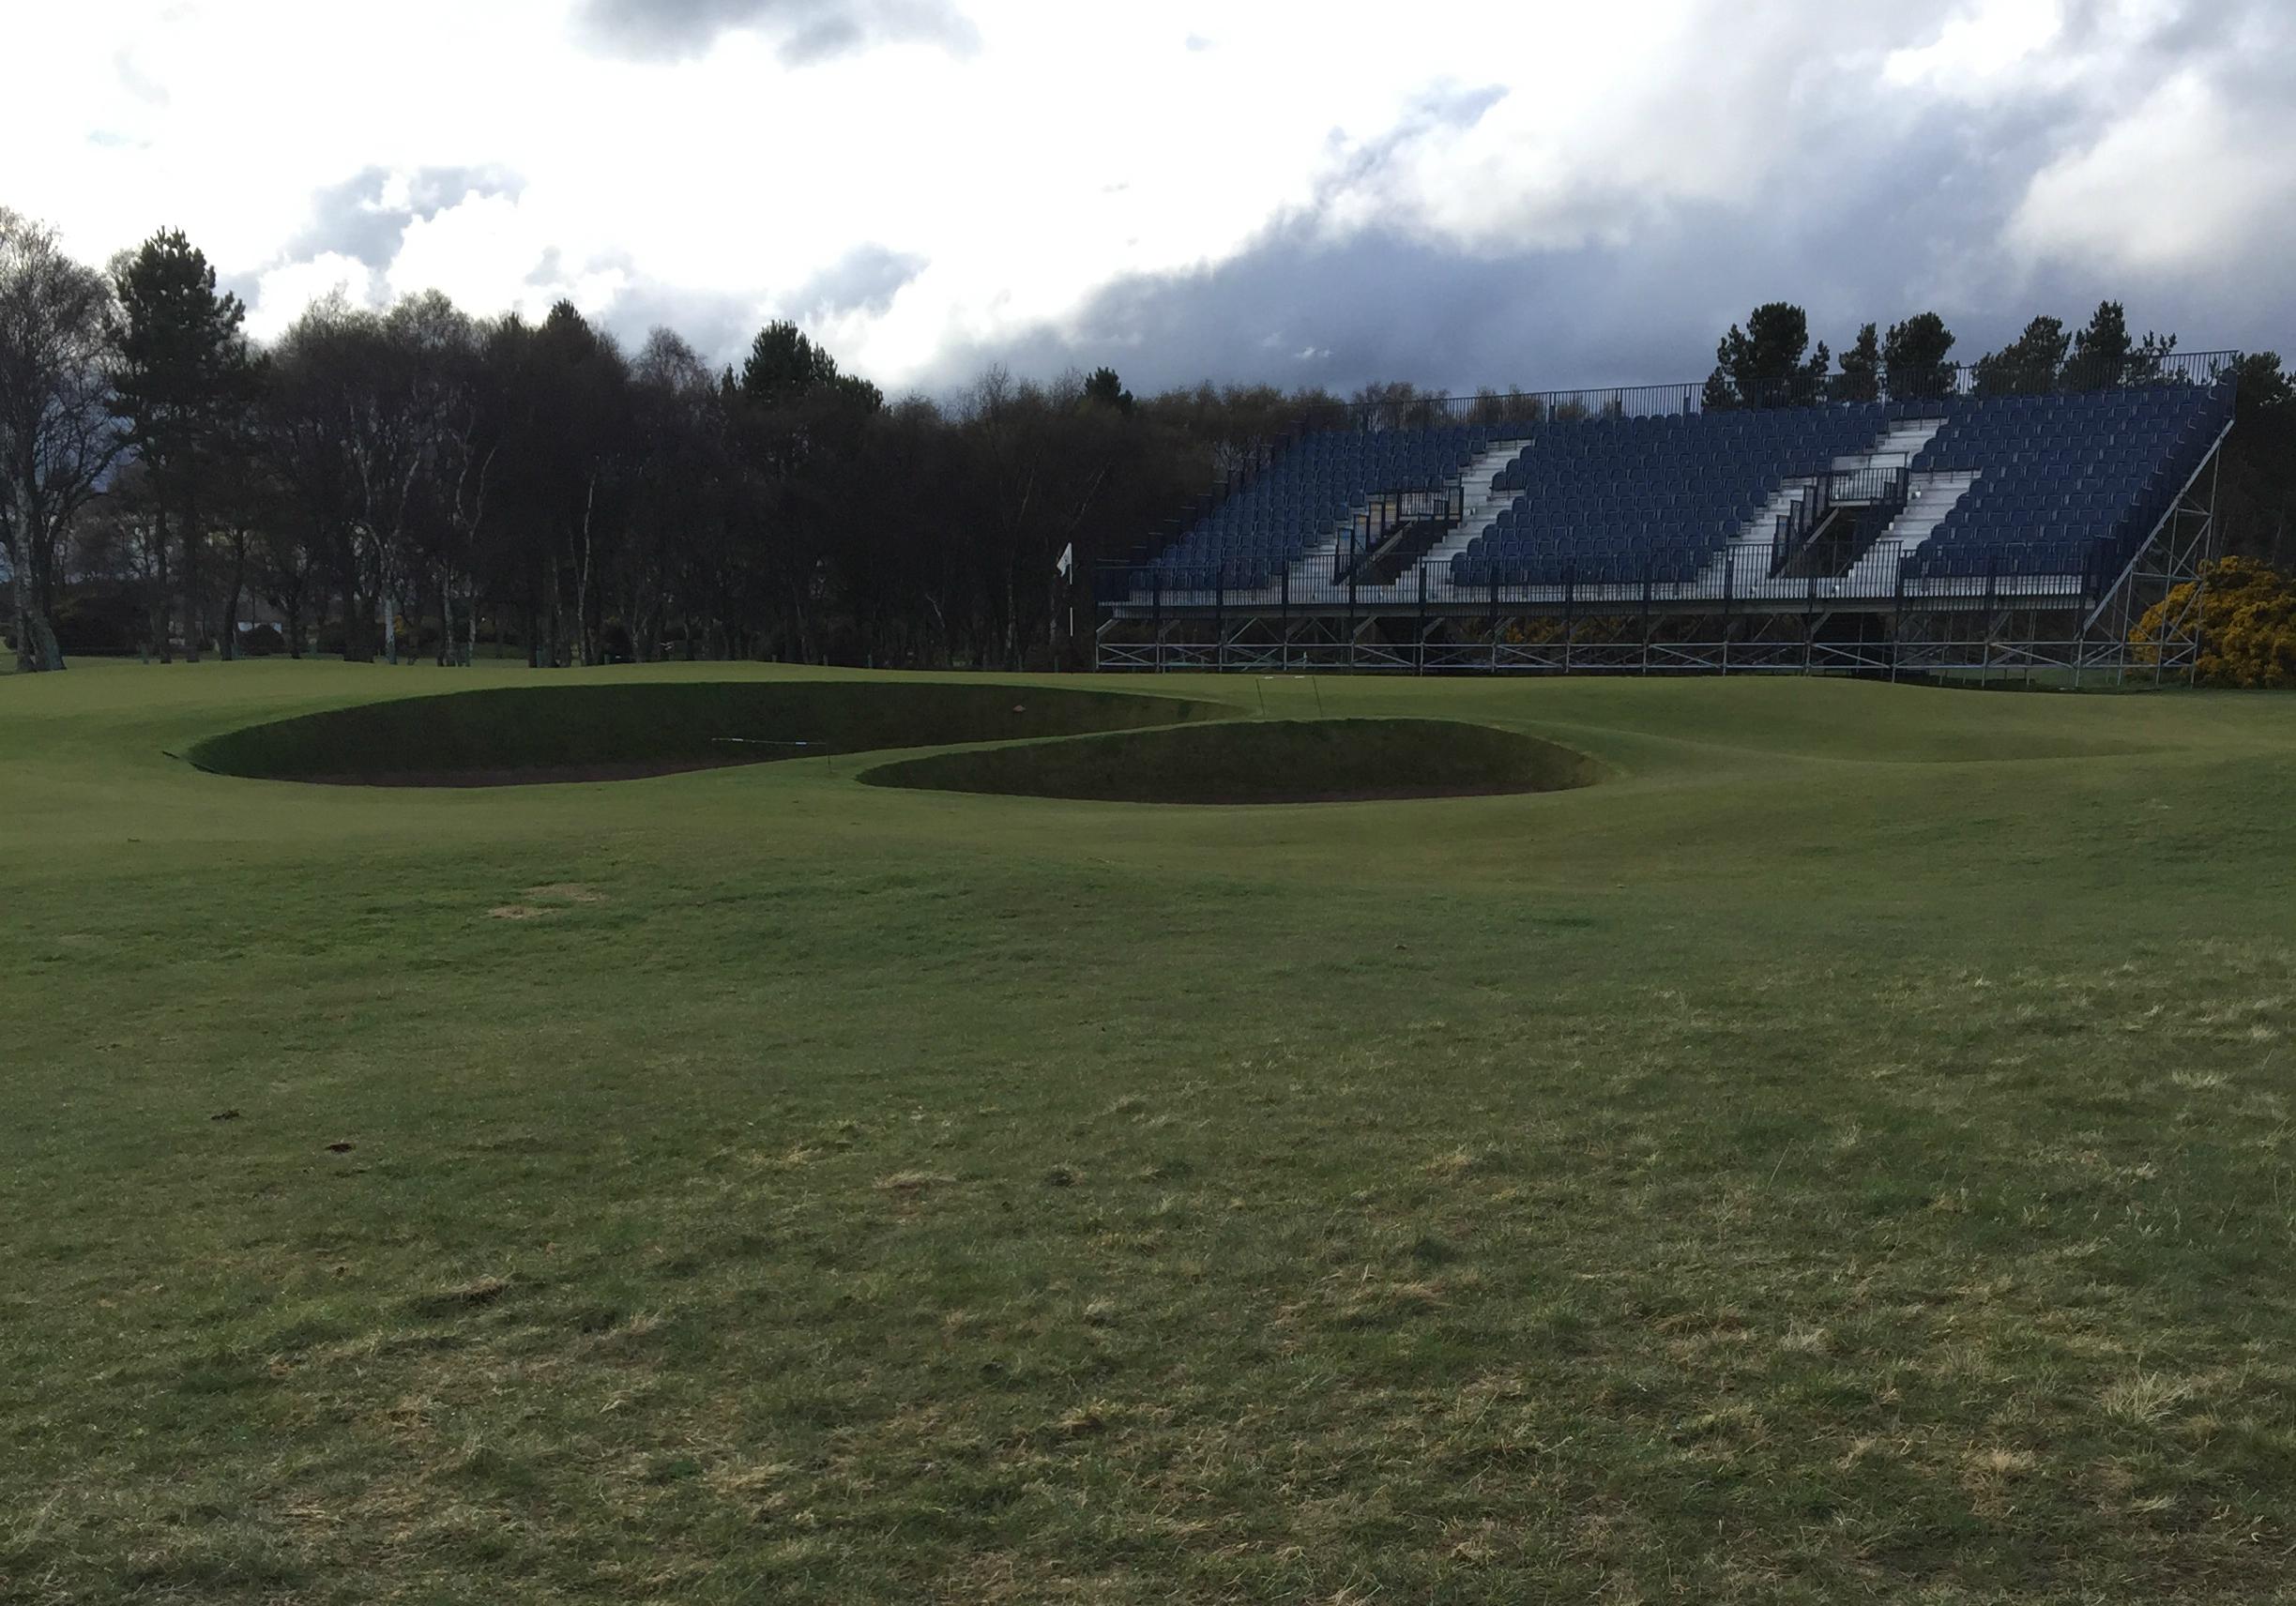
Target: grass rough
1847	1155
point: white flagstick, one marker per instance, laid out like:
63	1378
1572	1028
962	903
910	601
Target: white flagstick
1067	568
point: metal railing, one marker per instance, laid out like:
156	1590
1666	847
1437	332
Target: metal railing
1911	395
1884	489
1800	521
1883	486
1977	656
1385	514
1725	579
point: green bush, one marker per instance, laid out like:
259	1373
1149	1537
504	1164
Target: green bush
102	624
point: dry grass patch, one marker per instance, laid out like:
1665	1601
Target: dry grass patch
458	1296
1457	1162
1800	1340
2146	1397
908	1184
1083	1422
550	898
565	892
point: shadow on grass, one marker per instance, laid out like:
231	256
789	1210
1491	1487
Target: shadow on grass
528	734
1259	761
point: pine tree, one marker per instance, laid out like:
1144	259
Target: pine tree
1860	377
1915	357
1762	365
185	375
2029	364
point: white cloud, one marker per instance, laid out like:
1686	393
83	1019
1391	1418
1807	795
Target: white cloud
1590	125
283	291
1069	147
491	252
1979	47
2165	189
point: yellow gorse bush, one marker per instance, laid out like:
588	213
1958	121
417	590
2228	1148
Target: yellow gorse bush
2246	622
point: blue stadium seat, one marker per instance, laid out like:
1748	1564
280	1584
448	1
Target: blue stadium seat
2070	484
2066	485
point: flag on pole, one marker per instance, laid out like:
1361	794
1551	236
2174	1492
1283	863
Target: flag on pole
1068	560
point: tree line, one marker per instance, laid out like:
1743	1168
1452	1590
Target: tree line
419	481
1769	362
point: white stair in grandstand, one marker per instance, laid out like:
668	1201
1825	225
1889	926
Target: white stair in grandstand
1746	558
1929	499
1931	496
1898	446
1311	572
1483	503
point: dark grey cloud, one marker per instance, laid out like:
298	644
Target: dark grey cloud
1298	311
353	217
247	286
865	279
803	31
718	326
1867	211
1853	233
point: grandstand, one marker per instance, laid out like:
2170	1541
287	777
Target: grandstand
1642	530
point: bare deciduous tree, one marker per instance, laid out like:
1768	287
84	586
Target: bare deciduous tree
56	433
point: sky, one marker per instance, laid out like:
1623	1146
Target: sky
1452	193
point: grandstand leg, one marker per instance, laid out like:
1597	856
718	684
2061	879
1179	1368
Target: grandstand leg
1809	624
1898	618
1420	637
1570	619
1283	650
2204	549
